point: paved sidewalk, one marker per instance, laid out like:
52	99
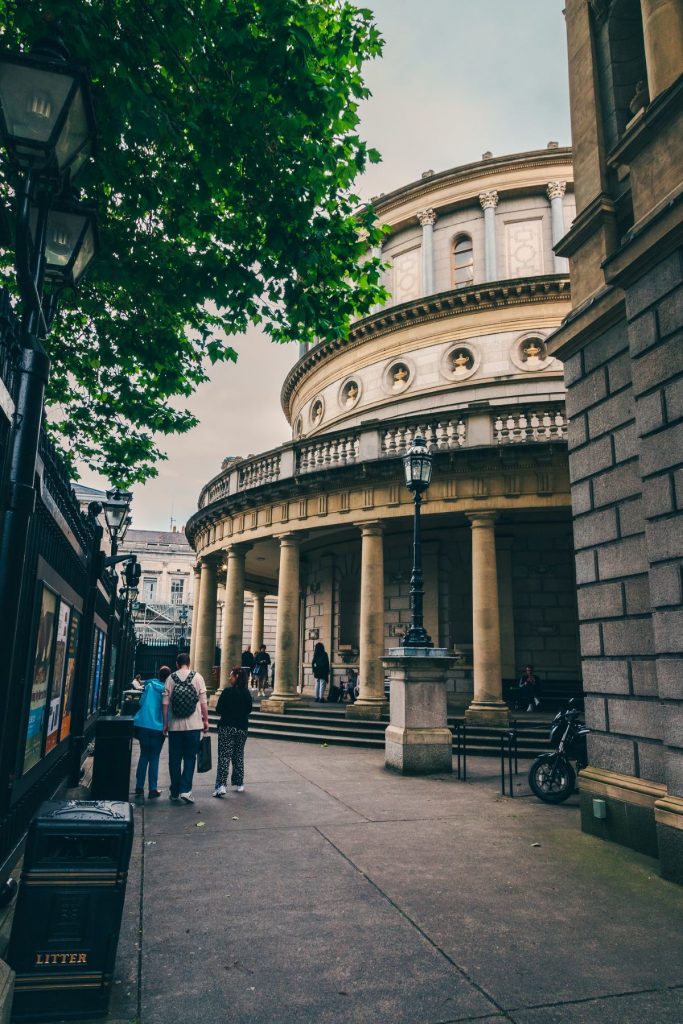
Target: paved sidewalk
331	891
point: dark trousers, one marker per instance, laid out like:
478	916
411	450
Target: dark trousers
151	742
230	748
183	747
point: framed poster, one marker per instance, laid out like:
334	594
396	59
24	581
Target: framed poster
42	670
71	656
96	670
59	666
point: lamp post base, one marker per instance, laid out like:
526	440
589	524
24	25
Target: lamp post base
418	740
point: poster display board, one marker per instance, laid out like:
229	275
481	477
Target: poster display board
58	670
42	670
71	654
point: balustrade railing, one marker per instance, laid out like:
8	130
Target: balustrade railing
254	472
519	426
445	434
448	432
340	450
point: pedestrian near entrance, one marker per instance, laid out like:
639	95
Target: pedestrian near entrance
186	715
248	661
234	707
321	670
149	730
262	662
529	685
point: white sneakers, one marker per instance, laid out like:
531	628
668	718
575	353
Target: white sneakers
187	798
240	789
220	791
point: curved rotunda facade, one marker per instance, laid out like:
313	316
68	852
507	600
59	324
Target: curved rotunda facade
458	355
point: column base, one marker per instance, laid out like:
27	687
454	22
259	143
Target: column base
371	710
280	704
493	712
412	751
213	699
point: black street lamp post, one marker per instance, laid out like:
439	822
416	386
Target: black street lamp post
417	464
47	128
116	516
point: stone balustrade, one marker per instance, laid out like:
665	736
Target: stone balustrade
373	441
518	426
263	469
442	435
338	450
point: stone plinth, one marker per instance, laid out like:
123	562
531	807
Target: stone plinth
418	740
279	705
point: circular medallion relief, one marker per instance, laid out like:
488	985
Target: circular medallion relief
529	353
459	362
317	412
349	393
398	376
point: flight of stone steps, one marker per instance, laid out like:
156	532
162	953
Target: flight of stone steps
327	723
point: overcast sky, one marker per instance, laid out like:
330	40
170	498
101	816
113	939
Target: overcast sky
457	78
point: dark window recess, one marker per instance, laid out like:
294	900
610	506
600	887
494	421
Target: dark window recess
349	611
622	72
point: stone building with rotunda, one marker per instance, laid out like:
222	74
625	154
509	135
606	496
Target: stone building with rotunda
458	355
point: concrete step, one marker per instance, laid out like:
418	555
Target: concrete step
314	725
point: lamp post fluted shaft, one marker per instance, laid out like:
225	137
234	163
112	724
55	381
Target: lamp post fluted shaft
417	464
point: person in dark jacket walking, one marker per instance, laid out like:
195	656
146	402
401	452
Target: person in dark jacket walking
321	670
248	661
234	707
261	665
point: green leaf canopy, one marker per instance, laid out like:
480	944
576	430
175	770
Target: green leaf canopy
227	153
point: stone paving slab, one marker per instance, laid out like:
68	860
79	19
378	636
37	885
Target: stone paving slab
343	895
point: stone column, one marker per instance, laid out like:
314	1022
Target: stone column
427	220
489	202
488	707
556	191
205	643
233	611
508	659
287	628
257	621
663	37
371	702
195	611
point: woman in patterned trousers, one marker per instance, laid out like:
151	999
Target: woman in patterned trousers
234	708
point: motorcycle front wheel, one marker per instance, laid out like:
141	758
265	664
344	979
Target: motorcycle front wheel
552	778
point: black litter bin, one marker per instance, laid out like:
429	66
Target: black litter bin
111	764
68	913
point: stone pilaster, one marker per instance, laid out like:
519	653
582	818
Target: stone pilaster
427	220
663	38
233	612
205	643
489	202
287	630
488	707
556	191
371	702
257	621
195	611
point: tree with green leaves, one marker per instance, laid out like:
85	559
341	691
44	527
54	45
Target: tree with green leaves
227	152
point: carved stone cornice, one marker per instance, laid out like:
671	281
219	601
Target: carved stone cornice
556	189
488	199
455	302
497	167
426	218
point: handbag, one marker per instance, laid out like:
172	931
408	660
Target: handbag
204	755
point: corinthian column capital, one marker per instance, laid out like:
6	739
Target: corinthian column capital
426	218
556	189
488	199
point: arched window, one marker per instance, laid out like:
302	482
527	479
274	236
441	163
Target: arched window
463	261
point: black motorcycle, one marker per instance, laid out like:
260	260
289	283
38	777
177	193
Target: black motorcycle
551	776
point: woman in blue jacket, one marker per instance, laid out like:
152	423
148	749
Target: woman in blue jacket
149	729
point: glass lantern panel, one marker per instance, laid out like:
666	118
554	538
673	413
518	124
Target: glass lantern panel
86	253
73	136
32	101
64	230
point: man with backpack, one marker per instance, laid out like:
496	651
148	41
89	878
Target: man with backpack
186	715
